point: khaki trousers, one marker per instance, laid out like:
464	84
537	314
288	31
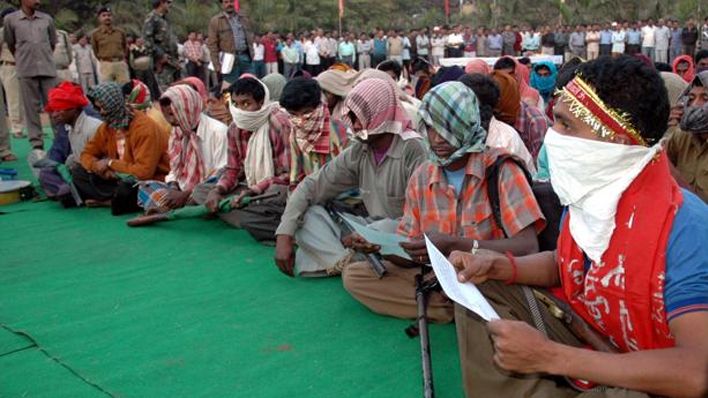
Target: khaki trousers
394	294
481	377
8	75
113	72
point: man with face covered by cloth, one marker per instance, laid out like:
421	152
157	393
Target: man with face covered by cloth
687	146
379	161
631	263
446	200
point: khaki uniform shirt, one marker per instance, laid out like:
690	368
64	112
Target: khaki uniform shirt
108	44
382	187
32	40
691	159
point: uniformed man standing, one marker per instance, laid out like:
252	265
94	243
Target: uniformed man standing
162	43
31	37
109	46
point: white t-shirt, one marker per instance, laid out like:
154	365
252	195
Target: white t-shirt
648	36
258	52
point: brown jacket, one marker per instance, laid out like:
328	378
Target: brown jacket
145	155
221	37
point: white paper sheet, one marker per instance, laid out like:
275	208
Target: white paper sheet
465	294
227	63
389	242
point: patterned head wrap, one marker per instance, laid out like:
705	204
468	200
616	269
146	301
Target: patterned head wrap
478	66
139	97
185	155
587	106
196	84
695	118
452	110
376	105
109	97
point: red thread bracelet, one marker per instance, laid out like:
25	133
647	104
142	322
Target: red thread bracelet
514	269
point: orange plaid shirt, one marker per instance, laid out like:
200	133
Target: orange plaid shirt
432	205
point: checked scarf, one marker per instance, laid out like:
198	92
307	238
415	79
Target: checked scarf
185	155
109	96
311	131
452	110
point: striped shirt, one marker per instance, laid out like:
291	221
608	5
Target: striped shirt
531	125
432	205
303	164
238	145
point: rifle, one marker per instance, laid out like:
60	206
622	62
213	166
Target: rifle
374	259
420	328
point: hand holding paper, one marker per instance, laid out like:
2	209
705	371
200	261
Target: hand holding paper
465	294
388	242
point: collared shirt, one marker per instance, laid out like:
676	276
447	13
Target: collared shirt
212	146
364	47
238	146
291	55
662	36
258	52
432	205
270	52
238	32
495	42
676	37
634	37
32	38
606	37
531	125
346	49
108	43
80	133
193	50
84	59
648	36
423	44
690	157
380	46
577	39
382	185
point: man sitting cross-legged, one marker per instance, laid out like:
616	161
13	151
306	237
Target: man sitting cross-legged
447	199
128	147
75	127
378	163
258	162
631	263
197	150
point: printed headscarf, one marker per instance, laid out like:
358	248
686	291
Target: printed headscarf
139	97
478	66
110	97
690	72
509	104
452	110
544	84
695	118
186	160
197	85
378	108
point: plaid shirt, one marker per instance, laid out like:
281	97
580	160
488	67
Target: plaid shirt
432	205
304	164
531	125
193	50
238	144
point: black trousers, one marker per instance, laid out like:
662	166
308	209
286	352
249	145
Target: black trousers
123	194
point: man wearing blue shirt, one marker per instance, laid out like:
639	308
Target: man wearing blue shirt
634	40
606	40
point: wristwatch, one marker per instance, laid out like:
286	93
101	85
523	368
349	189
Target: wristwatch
110	162
475	247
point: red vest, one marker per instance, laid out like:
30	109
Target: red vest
623	296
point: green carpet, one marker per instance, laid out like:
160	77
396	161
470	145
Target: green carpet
185	309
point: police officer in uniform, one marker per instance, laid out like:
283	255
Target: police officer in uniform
162	43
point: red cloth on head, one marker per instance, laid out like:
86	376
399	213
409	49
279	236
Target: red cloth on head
66	95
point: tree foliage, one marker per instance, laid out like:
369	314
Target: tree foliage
364	15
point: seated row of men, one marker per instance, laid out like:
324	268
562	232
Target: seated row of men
629	262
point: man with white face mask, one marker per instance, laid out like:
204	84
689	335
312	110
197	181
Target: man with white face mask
378	163
631	263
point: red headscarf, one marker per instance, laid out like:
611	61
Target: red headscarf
197	85
690	72
478	66
66	95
